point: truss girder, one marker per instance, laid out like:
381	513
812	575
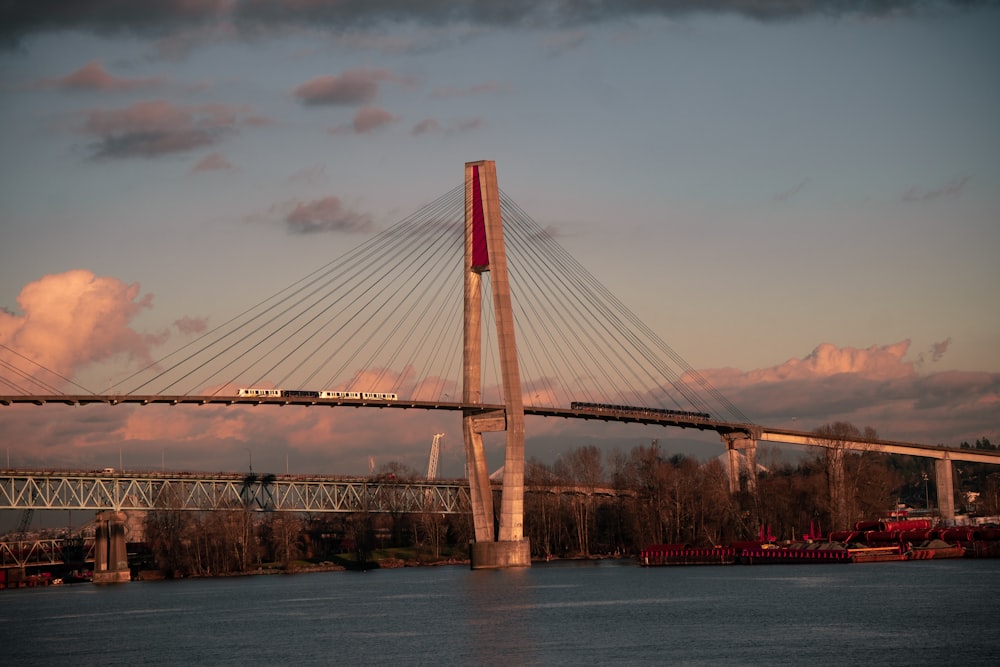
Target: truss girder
55	491
43	552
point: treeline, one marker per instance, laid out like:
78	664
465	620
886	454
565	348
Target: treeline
590	503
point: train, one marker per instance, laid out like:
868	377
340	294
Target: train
304	393
637	411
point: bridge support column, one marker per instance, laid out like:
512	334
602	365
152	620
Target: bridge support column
110	554
742	453
485	251
945	484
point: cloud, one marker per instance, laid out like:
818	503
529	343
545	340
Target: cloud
162	18
352	88
433	126
948	191
158	127
426	126
874	387
788	194
488	88
191	325
74	319
212	162
312	175
367	119
938	349
564	41
326	215
826	360
94	77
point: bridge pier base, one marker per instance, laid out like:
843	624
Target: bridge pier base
496	555
110	554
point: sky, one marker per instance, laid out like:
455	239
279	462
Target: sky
801	197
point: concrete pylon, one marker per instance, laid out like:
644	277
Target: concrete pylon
110	553
944	482
485	251
742	453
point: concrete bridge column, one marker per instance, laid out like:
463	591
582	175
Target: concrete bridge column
742	452
945	484
485	251
110	554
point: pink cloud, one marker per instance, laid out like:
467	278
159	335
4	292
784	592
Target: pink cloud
876	362
76	318
370	119
874	387
212	162
367	119
93	76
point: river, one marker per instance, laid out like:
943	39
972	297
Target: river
560	613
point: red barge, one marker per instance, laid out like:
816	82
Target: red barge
868	542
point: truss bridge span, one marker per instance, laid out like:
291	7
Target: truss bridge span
96	490
102	490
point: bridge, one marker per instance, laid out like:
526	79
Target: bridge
144	491
475	287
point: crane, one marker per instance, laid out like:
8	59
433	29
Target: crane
432	463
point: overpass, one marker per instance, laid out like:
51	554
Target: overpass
745	443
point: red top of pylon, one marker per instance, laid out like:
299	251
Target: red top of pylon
480	252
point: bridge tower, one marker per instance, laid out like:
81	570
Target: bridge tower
110	557
485	251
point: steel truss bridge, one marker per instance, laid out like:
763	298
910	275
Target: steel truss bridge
53	551
53	490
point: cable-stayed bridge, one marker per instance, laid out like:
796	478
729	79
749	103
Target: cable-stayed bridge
466	305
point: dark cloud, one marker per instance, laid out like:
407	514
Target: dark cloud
432	126
938	349
153	128
554	13
946	191
350	88
191	325
788	194
20	18
326	215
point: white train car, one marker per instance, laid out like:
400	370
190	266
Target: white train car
378	396
298	393
260	393
340	394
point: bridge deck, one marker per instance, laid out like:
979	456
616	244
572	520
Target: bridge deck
751	431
